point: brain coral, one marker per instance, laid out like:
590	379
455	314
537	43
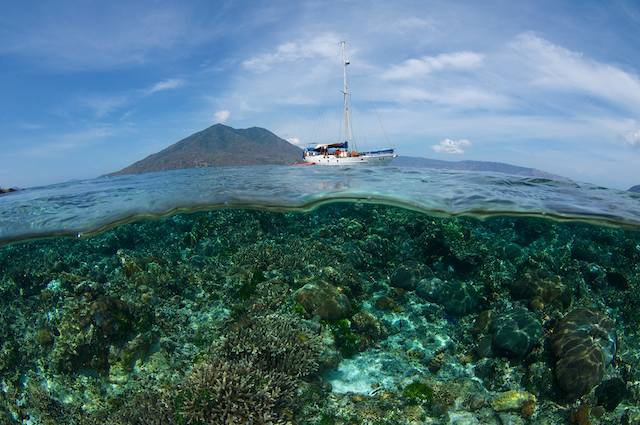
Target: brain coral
585	343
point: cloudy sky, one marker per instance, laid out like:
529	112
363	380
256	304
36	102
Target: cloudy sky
89	87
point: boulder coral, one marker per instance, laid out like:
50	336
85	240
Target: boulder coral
511	334
407	275
585	343
323	299
542	290
457	298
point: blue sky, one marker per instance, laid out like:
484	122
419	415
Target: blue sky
89	87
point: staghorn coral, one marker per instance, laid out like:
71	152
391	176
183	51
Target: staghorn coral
276	343
226	392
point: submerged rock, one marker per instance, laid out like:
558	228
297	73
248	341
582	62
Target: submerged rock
511	334
585	343
457	298
325	300
354	255
611	393
407	275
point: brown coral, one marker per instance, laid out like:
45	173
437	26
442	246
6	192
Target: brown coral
224	392
276	343
323	299
584	342
541	290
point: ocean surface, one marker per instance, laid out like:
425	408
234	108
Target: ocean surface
319	295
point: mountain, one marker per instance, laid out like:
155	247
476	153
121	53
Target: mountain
635	189
496	167
220	146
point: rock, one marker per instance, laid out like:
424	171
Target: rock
511	334
585	343
407	275
461	418
509	251
583	253
611	393
430	289
322	299
377	247
511	401
354	255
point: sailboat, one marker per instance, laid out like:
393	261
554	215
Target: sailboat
345	153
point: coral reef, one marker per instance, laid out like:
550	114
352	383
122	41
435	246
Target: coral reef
511	334
541	291
323	299
278	343
585	343
224	392
457	298
408	274
111	329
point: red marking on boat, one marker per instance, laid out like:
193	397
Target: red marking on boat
304	163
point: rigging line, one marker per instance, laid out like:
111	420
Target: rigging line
384	130
319	132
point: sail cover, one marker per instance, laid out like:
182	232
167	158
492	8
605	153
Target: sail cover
344	145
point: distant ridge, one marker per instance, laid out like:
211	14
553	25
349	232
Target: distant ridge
219	146
496	167
635	189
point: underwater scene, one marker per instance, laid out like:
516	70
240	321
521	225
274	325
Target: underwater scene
290	295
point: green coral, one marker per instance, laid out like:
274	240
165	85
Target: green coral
346	341
249	288
418	391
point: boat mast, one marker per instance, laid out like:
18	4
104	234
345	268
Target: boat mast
345	62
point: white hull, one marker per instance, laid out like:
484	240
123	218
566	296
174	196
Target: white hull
348	161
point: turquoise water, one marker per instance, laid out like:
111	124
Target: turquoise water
319	296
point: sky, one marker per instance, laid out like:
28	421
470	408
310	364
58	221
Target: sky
90	87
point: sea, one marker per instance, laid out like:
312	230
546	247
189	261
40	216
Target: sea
319	295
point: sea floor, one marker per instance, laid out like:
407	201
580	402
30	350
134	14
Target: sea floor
352	314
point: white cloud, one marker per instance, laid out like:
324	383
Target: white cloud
405	25
466	97
633	139
103	105
451	146
29	126
167	85
221	117
413	68
563	70
324	46
296	142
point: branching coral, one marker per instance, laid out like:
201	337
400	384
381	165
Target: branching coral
235	392
275	343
